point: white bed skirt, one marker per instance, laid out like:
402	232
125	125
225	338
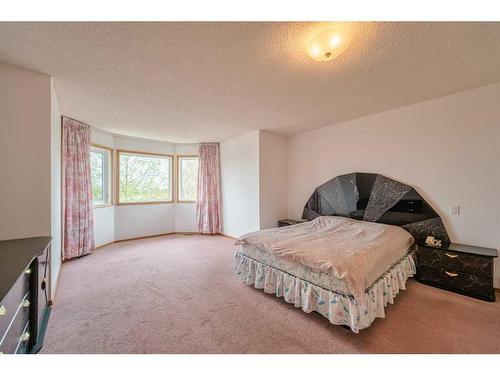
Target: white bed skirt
339	309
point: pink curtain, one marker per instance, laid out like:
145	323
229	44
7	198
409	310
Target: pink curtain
77	189
208	198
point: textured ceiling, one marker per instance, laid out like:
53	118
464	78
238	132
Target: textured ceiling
190	82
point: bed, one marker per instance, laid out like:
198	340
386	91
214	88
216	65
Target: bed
351	258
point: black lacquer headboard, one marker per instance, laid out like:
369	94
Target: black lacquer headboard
376	198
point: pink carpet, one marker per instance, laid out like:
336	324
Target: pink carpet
177	294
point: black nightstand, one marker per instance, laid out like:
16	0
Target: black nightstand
460	268
287	222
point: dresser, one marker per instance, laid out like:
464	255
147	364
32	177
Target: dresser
460	268
24	294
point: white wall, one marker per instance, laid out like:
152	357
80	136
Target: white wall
447	148
102	138
253	182
272	179
239	158
143	220
25	153
55	182
104	217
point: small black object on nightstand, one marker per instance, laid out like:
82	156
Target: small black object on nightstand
460	268
287	222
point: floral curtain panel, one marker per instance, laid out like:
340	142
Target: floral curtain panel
208	198
77	190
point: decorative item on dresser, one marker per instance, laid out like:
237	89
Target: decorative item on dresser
287	222
24	294
460	268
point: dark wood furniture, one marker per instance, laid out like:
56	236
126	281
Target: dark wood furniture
376	199
24	294
287	222
460	268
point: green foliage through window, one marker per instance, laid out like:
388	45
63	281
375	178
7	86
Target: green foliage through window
97	165
188	178
144	178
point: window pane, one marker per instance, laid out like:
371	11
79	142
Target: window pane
188	178
97	176
145	178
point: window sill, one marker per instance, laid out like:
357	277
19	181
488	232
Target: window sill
142	203
102	205
185	202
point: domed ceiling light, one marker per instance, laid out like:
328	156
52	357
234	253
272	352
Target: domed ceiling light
328	44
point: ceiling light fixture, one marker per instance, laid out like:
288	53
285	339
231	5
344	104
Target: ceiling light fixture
328	44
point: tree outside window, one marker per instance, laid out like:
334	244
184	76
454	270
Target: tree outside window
144	178
188	178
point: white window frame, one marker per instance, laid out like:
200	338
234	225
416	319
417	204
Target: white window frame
107	173
178	185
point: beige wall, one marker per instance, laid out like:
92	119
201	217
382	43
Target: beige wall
272	179
239	159
447	148
55	188
25	153
253	182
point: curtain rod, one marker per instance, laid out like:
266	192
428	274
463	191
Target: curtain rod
74	119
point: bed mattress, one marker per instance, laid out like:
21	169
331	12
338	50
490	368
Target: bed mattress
323	279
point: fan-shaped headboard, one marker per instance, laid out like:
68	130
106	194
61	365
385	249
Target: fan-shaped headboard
376	198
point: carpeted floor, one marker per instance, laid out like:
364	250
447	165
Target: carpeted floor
177	294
